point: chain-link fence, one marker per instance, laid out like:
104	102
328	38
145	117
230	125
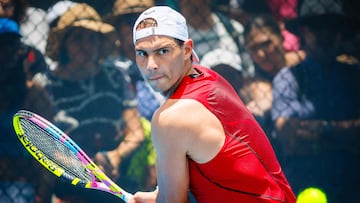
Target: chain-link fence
294	63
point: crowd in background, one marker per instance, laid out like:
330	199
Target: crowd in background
294	63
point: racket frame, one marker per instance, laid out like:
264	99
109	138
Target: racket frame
100	181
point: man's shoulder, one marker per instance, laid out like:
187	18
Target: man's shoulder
178	110
182	118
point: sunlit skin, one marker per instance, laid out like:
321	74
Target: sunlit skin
162	61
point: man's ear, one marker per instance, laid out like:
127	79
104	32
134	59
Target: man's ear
188	46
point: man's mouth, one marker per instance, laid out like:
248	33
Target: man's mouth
153	78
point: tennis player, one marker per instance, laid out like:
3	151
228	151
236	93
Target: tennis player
205	139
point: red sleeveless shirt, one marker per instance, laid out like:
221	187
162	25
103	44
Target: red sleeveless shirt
246	168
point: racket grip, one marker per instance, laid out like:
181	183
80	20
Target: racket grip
127	196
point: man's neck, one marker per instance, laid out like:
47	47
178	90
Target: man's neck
189	71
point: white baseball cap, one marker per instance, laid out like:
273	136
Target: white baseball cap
169	23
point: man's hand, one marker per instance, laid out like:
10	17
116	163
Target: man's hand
144	197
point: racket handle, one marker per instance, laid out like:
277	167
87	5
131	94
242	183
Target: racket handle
127	196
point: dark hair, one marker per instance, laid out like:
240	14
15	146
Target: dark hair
180	43
256	7
263	21
20	7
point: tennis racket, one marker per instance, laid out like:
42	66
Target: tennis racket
59	154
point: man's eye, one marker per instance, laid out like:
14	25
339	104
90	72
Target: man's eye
163	51
141	53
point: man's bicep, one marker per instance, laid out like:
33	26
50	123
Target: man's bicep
171	165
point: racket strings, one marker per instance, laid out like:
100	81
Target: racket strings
56	151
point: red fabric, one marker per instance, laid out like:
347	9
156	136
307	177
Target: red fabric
31	56
246	162
283	9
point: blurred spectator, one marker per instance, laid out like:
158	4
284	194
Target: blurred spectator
241	10
16	10
22	179
257	95
122	18
309	7
212	30
52	17
281	10
284	10
96	104
264	41
33	25
34	28
316	109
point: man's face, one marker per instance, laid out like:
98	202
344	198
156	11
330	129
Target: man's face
161	61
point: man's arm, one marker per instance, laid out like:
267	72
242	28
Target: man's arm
181	130
170	141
